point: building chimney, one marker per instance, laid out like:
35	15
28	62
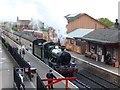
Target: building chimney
17	18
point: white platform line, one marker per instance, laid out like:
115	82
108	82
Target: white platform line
3	58
32	84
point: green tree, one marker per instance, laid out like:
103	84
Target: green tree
106	21
14	28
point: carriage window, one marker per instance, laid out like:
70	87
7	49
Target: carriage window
30	45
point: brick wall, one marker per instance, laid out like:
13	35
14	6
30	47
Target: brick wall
84	21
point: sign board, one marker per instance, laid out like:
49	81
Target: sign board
20	71
26	69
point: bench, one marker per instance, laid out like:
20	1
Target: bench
93	56
112	62
88	54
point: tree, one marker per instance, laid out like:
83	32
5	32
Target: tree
14	28
106	21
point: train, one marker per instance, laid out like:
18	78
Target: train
49	52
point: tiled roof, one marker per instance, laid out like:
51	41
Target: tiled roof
104	35
79	32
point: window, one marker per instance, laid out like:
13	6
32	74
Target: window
30	45
92	48
99	50
78	42
114	53
71	41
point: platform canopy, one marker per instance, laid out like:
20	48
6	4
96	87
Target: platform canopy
80	32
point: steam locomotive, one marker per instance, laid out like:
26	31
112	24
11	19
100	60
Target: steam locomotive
55	56
47	51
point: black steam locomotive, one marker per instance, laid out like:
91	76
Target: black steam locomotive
55	56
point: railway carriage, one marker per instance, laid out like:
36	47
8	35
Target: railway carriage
16	37
27	41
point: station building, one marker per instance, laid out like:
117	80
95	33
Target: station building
100	42
78	26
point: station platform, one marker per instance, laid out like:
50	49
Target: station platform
7	63
95	63
6	69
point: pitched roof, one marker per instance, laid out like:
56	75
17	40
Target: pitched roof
79	32
103	36
71	17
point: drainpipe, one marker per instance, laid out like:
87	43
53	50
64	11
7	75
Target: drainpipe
95	26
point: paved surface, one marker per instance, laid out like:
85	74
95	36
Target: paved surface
98	64
6	69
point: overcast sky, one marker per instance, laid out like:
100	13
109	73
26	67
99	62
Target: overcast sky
52	12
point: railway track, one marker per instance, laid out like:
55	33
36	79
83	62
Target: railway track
80	85
93	81
86	82
99	80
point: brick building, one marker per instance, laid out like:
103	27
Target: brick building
79	25
22	24
50	35
82	20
